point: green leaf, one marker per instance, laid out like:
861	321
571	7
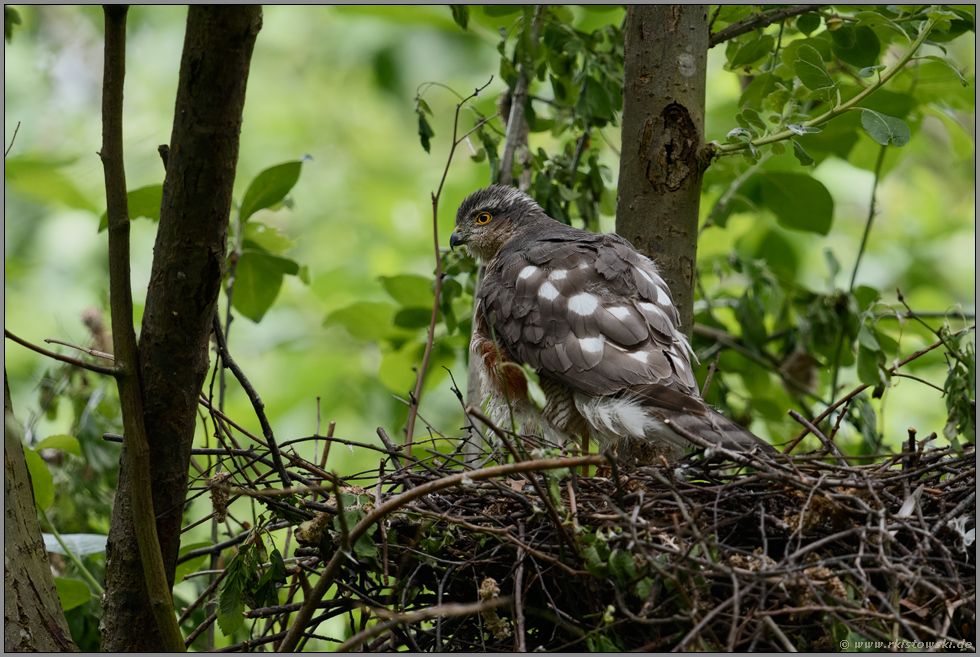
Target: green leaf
866	338
231	604
413	318
799	201
868	368
858	46
752	52
258	278
833	266
811	70
367	320
268	238
142	202
808	23
409	290
269	188
534	390
948	64
885	129
461	14
72	592
11	17
865	296
41	479
43	181
868	71
425	132
876	19
801	155
61	441
191	565
365	547
621	565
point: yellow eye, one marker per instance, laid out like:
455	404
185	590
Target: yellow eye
483	217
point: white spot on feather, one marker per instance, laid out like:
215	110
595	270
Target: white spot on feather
527	272
638	355
650	308
548	291
662	296
592	345
583	304
619	312
645	275
557	275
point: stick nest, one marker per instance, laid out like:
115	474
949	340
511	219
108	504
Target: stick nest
778	553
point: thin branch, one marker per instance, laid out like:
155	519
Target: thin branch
253	397
90	352
517	102
91	367
853	103
759	20
6	151
413	410
872	211
440	611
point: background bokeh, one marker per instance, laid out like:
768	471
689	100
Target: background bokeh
339	84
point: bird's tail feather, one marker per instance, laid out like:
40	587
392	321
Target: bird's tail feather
695	416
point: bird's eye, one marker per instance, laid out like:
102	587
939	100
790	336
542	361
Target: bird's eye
483	217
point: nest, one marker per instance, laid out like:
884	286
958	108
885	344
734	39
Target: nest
774	553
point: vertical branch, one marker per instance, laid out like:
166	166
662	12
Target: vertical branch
188	265
514	130
135	453
872	211
413	410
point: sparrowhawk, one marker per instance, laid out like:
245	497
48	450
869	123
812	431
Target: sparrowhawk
596	321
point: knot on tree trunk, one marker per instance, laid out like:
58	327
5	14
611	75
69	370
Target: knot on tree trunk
669	148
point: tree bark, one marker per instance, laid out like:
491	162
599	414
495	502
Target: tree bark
32	617
188	267
663	158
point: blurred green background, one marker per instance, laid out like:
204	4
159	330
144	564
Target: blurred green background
339	84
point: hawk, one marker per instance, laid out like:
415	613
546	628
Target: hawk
595	320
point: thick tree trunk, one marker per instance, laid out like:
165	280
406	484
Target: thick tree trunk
666	53
185	280
32	617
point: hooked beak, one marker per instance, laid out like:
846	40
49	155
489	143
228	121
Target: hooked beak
456	240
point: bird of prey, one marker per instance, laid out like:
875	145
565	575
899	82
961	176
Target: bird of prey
595	320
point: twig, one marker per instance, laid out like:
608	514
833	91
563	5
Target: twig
440	611
6	151
90	352
98	369
829	444
758	20
872	210
253	397
423	368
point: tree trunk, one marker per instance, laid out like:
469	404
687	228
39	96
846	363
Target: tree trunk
188	266
665	62
32	617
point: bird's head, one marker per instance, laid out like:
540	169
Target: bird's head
489	217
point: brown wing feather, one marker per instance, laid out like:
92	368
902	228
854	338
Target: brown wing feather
586	310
